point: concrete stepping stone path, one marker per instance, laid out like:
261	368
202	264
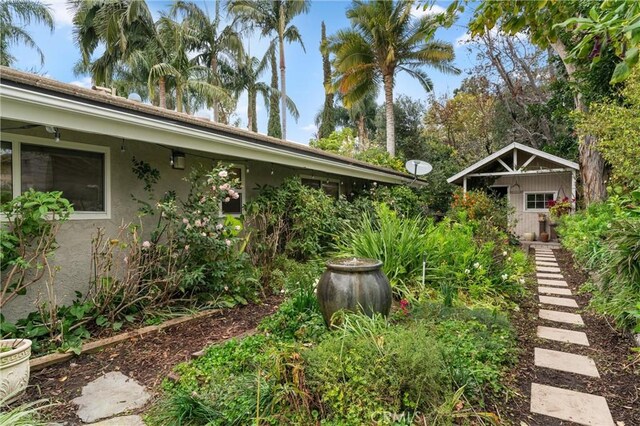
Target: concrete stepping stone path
109	395
558	301
555	283
562	335
563	361
552	401
557	316
569	405
555	290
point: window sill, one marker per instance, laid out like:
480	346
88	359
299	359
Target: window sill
90	216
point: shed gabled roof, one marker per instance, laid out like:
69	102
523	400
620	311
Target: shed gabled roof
495	157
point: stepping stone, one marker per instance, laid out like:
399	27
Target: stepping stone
548	251
549	275
546	263
108	396
578	407
557	283
560	317
121	421
563	361
546	258
548	269
558	301
562	335
554	290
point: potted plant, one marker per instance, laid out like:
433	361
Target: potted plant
558	208
14	368
544	237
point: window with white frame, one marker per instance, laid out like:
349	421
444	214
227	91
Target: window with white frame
331	187
79	171
234	205
538	200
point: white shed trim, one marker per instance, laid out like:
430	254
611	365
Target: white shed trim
515	147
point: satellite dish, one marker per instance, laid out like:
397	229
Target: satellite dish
134	97
418	167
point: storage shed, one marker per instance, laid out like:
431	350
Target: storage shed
529	178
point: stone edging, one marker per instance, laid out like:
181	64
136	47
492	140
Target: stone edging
44	361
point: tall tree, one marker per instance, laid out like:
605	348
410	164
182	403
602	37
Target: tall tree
274	127
212	42
327	122
15	15
274	16
385	40
121	28
542	22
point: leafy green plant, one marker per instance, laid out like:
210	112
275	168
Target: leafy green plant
29	237
27	414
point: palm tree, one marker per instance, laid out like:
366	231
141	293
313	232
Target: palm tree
274	16
14	16
211	43
172	64
386	39
120	27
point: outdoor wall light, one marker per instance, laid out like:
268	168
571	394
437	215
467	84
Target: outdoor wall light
54	131
177	160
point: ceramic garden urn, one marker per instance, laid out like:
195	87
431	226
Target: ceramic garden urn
14	368
354	284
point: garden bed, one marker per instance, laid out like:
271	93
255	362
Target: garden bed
147	359
609	348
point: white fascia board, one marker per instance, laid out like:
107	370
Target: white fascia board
520	147
35	107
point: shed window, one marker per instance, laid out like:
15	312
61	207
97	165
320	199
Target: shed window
538	200
330	187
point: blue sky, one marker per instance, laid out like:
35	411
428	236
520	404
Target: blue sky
304	68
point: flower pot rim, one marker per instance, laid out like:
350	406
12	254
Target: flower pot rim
348	264
24	345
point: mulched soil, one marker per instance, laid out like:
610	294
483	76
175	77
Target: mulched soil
148	359
609	348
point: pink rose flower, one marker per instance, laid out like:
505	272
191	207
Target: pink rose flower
226	200
223	174
146	244
235	196
227	242
185	220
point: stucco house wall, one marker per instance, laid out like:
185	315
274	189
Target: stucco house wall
73	257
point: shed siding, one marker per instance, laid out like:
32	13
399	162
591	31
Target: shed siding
560	183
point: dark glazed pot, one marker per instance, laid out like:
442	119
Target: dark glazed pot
354	284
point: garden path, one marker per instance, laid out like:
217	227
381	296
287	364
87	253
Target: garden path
558	402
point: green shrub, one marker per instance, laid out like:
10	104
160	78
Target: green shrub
605	240
398	242
367	371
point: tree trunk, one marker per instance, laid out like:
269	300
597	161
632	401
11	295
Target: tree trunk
362	132
214	80
283	82
274	128
327	125
178	98
388	106
162	92
591	161
252	111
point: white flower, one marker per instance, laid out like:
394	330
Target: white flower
185	220
237	227
204	234
223	174
227	242
467	271
197	223
476	265
505	276
226	288
521	280
186	247
509	258
504	253
146	244
219	226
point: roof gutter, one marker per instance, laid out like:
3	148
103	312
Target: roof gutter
35	104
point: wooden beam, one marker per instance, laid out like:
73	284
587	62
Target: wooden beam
573	191
464	185
509	169
515	158
519	172
526	163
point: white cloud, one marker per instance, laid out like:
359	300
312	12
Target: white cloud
311	128
84	82
419	12
61	13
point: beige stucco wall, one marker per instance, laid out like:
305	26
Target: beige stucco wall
527	221
73	254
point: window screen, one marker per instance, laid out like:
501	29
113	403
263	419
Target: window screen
80	175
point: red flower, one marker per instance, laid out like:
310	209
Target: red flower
404	305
